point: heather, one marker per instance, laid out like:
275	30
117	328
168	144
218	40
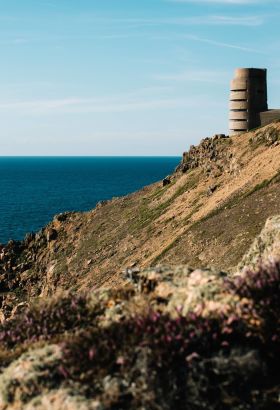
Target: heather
42	321
132	348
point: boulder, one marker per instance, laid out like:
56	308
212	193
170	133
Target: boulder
51	235
265	247
166	181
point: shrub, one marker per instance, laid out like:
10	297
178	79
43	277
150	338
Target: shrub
46	320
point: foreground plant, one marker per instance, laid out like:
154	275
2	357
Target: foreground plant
46	320
135	358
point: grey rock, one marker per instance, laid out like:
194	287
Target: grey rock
51	235
166	181
266	246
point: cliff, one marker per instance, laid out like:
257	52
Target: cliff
169	338
207	214
86	323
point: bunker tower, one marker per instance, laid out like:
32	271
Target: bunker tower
248	99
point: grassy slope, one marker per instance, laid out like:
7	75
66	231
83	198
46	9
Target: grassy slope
177	224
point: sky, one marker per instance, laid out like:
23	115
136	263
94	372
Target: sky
126	77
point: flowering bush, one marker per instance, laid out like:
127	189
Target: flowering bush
46	320
126	356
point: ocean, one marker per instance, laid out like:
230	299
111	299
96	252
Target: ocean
34	189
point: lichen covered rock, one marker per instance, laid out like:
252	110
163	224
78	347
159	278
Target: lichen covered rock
265	246
29	377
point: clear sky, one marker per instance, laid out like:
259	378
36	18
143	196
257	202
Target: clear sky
126	77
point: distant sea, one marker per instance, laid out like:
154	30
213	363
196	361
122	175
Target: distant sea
34	189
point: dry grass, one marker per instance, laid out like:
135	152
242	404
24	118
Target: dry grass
179	222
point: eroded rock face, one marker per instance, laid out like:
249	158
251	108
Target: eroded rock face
212	155
269	136
266	246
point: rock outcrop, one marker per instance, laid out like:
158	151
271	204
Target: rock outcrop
212	155
170	338
265	246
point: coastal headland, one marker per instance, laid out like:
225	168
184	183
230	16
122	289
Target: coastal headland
161	299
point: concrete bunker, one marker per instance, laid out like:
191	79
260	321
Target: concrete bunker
248	101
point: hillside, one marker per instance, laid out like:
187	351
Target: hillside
164	299
207	213
170	338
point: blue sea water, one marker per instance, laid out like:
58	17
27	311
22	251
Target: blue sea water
34	189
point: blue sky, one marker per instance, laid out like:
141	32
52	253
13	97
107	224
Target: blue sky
126	77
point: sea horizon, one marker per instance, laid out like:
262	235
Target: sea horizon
36	188
90	156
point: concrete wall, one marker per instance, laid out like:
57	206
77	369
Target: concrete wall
248	97
269	116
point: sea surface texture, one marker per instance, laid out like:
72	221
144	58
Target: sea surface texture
34	189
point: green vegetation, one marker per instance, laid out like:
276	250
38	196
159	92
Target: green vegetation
147	214
263	184
165	251
229	204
